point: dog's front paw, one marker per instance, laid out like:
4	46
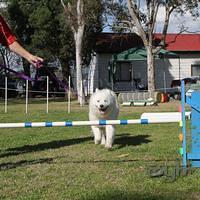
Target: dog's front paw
103	140
97	141
108	146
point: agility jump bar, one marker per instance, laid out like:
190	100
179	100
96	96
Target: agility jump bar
86	123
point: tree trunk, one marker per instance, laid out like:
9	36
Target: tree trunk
79	78
76	20
151	70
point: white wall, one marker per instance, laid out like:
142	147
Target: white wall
168	68
103	70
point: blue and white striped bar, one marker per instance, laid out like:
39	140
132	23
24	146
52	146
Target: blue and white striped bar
86	123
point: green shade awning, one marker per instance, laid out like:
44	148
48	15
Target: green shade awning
134	54
141	54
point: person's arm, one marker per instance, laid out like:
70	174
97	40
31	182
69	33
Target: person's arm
17	48
8	39
6	35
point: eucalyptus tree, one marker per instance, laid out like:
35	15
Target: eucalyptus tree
141	17
83	17
41	27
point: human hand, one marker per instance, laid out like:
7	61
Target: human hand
35	60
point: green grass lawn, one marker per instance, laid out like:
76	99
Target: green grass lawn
63	162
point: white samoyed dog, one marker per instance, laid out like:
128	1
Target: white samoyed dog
103	105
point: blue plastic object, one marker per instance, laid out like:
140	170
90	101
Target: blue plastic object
193	100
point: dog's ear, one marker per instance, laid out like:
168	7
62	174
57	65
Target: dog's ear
112	93
97	89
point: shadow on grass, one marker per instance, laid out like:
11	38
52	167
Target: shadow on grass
123	195
121	140
44	146
131	140
22	163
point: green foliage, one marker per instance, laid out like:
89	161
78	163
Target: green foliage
19	21
93	10
41	27
92	13
46	28
68	1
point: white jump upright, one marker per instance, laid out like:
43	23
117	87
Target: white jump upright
6	94
47	106
69	95
26	96
165	116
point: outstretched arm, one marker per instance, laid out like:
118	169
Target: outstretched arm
8	39
17	48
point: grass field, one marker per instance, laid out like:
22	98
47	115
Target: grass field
63	163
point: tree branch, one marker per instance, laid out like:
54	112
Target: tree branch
155	16
134	13
168	11
80	12
68	12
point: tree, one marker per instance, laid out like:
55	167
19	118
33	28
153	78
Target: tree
8	59
76	19
78	14
141	17
40	27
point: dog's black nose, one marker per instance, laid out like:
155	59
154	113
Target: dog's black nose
101	106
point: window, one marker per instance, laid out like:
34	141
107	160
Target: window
123	71
195	70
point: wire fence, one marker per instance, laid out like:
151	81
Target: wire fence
48	93
24	91
21	92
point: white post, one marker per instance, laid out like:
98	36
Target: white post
69	94
132	77
6	94
164	78
26	96
47	108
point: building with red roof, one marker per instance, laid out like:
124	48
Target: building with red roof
186	64
182	42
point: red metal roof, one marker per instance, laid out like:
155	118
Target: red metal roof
115	42
182	42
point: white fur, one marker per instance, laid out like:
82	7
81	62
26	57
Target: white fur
103	105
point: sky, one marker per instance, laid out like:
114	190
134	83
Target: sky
176	21
192	24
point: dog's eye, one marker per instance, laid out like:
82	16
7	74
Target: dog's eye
98	101
105	101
